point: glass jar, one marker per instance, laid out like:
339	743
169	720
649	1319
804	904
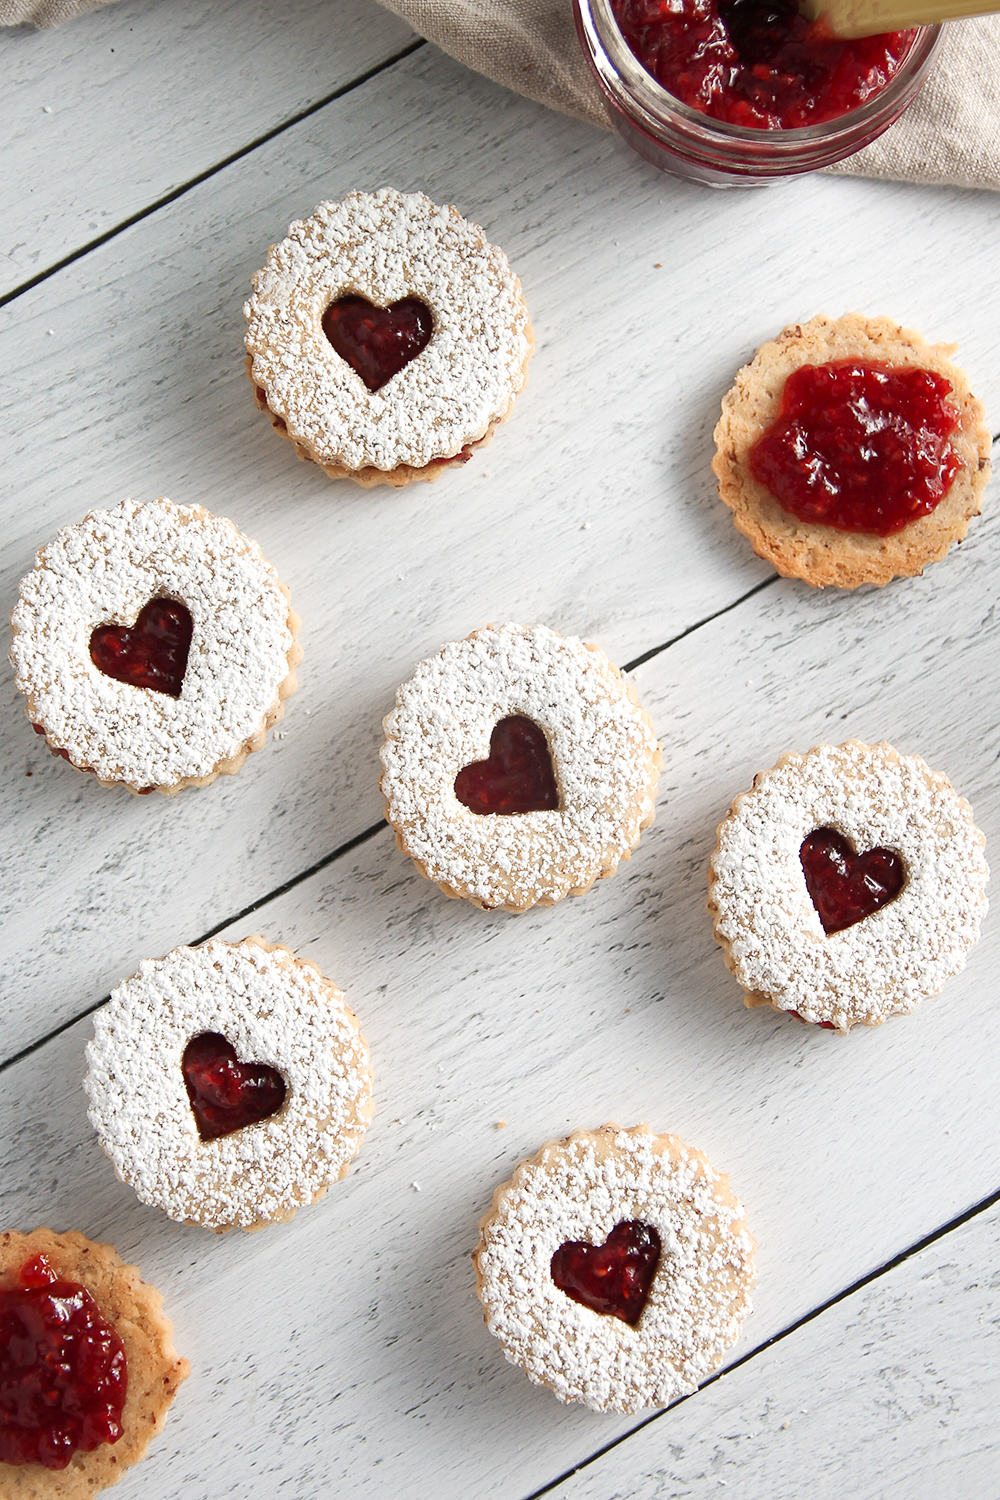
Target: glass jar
682	140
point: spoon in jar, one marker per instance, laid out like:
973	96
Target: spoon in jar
851	18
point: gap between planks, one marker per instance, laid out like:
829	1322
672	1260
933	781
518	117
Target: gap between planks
212	171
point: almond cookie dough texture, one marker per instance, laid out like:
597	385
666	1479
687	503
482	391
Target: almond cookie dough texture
386	246
579	1189
155	1371
240	667
604	753
273	1008
824	555
887	963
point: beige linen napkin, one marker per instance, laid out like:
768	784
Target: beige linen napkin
950	134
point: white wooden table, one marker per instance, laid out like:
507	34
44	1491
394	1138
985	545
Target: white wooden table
150	153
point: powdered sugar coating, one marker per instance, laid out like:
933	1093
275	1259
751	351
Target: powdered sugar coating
103	571
887	963
386	246
604	753
579	1189
273	1009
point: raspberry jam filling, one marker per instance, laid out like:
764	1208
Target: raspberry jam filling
378	342
152	653
758	63
63	1374
518	776
226	1094
862	446
844	886
612	1278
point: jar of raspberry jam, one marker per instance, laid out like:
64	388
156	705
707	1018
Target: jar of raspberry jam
739	93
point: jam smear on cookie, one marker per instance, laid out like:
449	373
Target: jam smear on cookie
859	445
226	1094
63	1372
516	778
152	653
613	1278
378	342
844	886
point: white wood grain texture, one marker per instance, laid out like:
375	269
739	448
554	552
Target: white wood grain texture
354	1334
594	510
101	118
891	1394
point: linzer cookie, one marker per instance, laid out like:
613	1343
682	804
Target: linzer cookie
519	767
254	1070
847	885
615	1267
87	1366
155	646
851	451
386	337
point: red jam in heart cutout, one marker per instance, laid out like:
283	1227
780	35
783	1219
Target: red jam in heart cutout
845	887
63	1373
518	776
152	653
612	1278
226	1094
859	446
757	63
378	342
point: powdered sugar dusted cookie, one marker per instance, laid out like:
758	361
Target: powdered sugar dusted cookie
847	885
615	1267
519	767
154	645
851	451
87	1366
386	337
229	1084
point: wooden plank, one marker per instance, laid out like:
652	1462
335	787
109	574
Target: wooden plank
101	118
594	509
890	1393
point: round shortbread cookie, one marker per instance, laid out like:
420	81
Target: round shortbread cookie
154	1370
387	248
822	554
280	1016
571	1197
99	579
603	764
771	926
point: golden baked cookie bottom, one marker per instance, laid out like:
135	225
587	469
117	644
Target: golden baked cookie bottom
155	1370
826	555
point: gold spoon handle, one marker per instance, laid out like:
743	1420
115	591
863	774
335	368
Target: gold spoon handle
850	18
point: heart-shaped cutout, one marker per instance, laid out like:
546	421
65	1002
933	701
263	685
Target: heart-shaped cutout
378	342
844	886
612	1278
152	653
226	1094
518	776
